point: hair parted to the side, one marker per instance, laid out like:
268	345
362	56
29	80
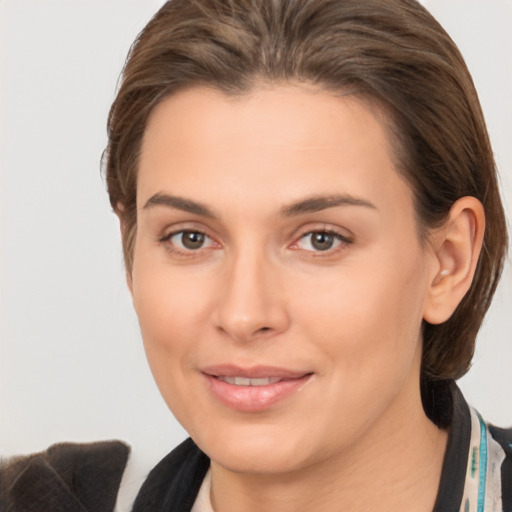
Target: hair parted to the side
392	51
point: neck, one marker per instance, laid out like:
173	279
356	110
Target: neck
396	463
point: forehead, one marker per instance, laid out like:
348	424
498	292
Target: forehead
278	141
294	113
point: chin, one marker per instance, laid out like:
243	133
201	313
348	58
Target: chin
256	461
251	450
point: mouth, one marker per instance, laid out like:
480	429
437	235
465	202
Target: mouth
253	389
246	381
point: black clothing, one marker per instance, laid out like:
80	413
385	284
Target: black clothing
476	474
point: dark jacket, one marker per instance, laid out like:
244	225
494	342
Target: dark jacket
85	478
67	477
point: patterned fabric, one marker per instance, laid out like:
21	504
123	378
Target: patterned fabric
482	491
476	474
483	481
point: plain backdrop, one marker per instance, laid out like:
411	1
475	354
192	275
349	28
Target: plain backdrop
72	365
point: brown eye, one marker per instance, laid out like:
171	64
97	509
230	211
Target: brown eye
192	240
322	241
188	240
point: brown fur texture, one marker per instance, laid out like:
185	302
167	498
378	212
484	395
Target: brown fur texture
68	477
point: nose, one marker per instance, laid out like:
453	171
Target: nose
251	304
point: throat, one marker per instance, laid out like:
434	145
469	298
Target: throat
404	474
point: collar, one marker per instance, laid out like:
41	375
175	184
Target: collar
470	477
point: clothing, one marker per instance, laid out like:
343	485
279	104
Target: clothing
476	474
203	502
67	477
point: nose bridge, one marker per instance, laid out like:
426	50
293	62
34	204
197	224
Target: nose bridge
250	304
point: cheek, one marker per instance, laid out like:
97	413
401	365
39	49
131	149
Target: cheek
171	314
368	331
368	318
171	307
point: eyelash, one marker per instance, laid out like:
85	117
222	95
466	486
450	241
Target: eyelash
184	252
342	240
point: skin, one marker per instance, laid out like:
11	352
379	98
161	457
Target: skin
259	292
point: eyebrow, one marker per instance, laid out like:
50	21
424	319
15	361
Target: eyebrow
179	203
304	206
319	203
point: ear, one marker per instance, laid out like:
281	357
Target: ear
457	245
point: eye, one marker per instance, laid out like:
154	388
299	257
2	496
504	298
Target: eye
187	240
320	241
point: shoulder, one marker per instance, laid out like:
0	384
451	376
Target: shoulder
173	484
477	469
503	437
489	468
66	477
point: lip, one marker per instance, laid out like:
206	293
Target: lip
253	398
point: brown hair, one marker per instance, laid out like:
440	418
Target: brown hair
392	51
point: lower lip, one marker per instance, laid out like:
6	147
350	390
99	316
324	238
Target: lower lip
254	398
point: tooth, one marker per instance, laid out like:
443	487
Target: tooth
246	381
264	381
242	381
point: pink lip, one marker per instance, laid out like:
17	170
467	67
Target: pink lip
253	398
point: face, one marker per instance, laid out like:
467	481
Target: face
278	276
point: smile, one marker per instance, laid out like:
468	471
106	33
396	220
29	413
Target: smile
245	381
253	390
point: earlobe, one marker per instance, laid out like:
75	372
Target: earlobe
457	245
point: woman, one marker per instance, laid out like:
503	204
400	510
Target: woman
312	234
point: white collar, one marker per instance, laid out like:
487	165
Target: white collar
203	502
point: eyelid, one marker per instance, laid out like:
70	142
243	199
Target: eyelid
322	227
165	240
343	235
179	227
338	233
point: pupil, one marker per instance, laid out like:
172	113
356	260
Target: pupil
322	241
192	240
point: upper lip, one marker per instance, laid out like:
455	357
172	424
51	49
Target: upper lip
253	372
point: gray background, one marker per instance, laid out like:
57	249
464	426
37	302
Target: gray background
72	365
